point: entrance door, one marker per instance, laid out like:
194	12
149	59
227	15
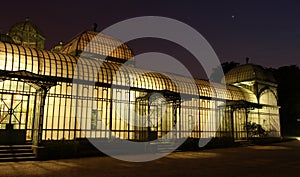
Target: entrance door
152	123
14	111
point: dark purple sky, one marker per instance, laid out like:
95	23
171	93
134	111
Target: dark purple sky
266	31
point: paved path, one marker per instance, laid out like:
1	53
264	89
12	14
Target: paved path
281	159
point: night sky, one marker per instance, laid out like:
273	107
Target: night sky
268	32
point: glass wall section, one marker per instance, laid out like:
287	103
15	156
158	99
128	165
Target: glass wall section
274	130
141	118
225	128
232	123
239	120
206	118
84	114
120	113
189	120
269	115
17	104
103	107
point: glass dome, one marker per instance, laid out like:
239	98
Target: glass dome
100	45
27	34
248	72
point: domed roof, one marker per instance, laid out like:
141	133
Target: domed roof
28	34
248	72
95	43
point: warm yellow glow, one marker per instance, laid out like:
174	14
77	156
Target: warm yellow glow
19	97
249	83
9	62
268	98
268	147
193	155
82	110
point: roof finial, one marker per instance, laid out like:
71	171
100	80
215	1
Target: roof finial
247	60
27	19
95	26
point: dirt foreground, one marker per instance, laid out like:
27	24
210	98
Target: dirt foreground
280	159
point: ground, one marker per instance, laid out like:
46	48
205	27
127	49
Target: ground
280	159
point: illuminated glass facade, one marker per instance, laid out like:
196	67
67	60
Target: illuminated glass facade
43	93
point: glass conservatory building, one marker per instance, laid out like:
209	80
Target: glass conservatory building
53	95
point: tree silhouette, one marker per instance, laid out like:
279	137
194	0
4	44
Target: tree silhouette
217	74
288	78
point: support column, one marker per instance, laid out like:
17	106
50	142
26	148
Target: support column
247	130
176	114
39	115
232	123
148	121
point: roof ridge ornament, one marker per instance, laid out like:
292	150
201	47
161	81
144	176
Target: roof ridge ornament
247	60
95	27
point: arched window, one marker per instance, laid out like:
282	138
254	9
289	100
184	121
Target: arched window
267	97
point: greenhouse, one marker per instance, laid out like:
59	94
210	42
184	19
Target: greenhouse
73	91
